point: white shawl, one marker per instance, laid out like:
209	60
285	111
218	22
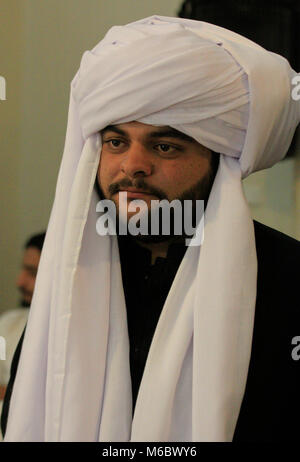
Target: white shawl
73	381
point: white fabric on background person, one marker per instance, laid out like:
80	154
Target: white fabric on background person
12	323
73	381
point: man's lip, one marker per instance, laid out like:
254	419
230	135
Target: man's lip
134	191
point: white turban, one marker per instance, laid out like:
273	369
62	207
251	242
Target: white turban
73	381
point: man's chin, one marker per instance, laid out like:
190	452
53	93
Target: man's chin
25	304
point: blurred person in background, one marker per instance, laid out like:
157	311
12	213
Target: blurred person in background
12	322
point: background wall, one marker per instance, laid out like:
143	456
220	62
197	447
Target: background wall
10	122
41	44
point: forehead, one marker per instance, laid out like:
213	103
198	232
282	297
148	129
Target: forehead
135	128
135	125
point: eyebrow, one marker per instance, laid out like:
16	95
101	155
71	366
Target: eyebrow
113	128
164	132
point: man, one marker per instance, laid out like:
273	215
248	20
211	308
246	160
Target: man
12	322
143	338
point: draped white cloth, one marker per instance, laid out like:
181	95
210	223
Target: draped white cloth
73	381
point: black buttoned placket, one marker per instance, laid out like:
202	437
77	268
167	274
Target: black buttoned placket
146	287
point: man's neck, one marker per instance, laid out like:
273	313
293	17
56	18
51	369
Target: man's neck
158	249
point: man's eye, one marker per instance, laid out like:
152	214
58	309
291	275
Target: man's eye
113	143
163	147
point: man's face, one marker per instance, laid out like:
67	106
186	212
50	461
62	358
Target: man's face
26	279
152	163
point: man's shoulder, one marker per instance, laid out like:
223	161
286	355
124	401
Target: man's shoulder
278	258
270	407
275	248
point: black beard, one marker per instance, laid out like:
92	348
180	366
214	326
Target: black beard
200	191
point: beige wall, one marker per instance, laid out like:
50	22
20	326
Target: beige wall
10	120
41	43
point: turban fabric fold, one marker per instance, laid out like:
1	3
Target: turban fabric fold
73	382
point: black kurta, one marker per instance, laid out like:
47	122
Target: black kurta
270	408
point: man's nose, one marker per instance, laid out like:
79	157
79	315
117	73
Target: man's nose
137	161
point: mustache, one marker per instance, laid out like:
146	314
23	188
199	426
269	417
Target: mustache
139	183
